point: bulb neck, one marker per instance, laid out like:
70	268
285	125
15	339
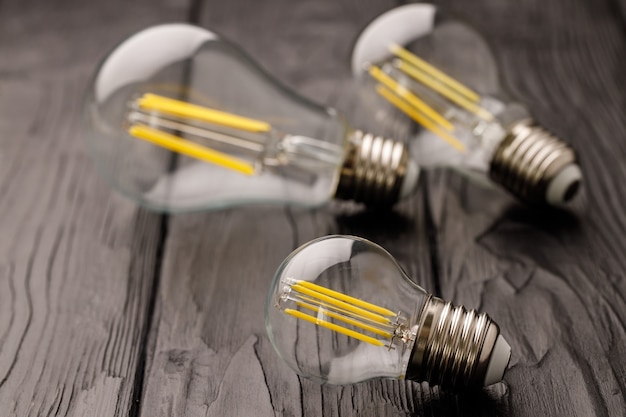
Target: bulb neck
535	165
373	171
453	346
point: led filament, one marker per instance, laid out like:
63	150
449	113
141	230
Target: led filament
180	119
333	310
152	116
440	72
426	79
340	310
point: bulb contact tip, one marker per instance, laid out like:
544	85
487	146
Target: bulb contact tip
536	166
498	362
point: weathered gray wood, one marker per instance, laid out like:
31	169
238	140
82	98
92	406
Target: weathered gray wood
212	356
76	261
211	353
554	282
79	265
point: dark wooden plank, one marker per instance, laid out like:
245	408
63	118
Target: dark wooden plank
531	272
619	9
554	282
305	45
76	262
211	354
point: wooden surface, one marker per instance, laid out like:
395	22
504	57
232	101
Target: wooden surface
109	310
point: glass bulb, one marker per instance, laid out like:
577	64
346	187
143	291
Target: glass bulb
179	119
340	310
440	72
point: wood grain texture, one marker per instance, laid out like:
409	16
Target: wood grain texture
554	282
80	268
212	355
76	262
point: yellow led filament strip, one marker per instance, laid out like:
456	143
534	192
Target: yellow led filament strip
366	319
163	106
431	77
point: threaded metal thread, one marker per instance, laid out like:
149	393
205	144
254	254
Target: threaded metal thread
527	159
452	346
373	170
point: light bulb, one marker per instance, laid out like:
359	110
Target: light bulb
440	73
340	310
180	119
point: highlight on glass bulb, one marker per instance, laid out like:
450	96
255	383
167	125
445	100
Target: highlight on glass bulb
440	73
179	119
340	310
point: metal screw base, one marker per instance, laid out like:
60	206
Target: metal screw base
452	346
527	159
373	170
